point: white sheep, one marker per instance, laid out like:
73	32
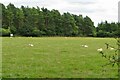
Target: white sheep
11	35
111	48
86	46
31	45
100	50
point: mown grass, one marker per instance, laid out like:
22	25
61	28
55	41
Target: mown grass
55	57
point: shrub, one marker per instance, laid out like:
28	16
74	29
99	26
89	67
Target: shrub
4	32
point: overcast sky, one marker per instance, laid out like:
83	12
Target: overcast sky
97	10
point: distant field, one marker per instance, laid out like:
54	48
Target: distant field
55	57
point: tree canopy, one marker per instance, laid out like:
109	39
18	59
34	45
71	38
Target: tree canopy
26	21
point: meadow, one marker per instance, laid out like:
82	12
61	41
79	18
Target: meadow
55	57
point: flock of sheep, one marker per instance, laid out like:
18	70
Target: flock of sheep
85	46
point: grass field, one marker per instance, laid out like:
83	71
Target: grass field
55	57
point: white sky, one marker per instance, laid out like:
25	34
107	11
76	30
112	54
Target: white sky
97	10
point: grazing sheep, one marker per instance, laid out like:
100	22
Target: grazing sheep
100	50
11	35
31	45
86	46
111	48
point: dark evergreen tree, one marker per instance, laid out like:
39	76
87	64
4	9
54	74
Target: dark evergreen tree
33	21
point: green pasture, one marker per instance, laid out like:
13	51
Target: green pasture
55	57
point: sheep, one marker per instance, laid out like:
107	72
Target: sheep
86	46
31	45
100	50
111	48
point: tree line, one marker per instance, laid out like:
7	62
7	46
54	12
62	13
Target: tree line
26	21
